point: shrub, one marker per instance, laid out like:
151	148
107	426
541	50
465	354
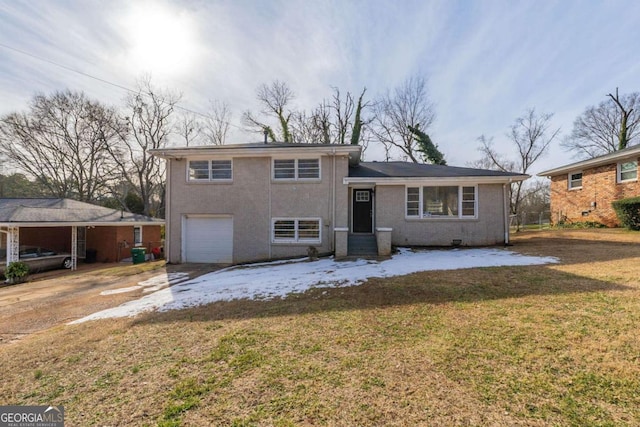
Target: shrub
16	271
628	212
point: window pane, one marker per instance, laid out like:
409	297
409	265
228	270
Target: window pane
284	229
284	169
628	171
308	168
440	201
308	229
413	201
468	201
575	180
221	169
137	235
199	169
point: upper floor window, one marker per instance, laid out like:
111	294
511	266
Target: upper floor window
441	202
575	180
296	169
627	171
210	170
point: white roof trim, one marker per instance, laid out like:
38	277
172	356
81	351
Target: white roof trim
630	153
179	153
78	224
435	180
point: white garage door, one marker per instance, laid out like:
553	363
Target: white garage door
208	239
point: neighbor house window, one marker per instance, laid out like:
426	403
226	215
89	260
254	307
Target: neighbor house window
627	171
210	170
296	169
296	230
137	235
575	180
441	202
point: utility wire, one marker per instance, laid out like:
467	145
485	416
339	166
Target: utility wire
126	89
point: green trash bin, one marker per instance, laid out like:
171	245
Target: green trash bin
138	255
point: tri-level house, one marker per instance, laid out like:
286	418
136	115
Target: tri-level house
249	202
584	190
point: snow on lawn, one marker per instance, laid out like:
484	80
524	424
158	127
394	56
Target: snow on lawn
151	285
277	279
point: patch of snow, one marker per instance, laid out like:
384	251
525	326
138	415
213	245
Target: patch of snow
151	285
277	279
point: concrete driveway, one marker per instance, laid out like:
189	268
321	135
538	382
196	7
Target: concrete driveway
60	296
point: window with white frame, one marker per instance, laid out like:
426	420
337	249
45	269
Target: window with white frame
296	169
442	202
575	180
296	230
210	170
627	171
137	235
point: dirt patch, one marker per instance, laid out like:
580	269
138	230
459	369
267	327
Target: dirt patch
57	297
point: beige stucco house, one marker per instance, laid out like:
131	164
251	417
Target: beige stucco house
248	202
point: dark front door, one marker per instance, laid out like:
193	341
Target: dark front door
362	211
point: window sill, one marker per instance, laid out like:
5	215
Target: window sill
297	181
627	181
575	189
436	219
297	243
216	181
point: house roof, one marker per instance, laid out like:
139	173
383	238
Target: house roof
404	171
65	212
616	156
258	149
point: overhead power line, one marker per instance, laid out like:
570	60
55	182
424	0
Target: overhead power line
119	86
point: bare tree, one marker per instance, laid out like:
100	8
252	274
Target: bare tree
148	127
216	124
190	129
530	135
275	100
408	105
62	141
610	126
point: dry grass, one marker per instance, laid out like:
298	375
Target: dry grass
538	345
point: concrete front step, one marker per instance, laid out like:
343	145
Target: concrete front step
362	244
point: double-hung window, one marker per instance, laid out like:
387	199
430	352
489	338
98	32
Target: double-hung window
627	171
296	230
575	180
296	169
137	235
210	170
449	201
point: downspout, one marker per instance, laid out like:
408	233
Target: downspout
269	219
505	195
167	217
333	201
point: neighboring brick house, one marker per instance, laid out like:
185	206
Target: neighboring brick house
82	229
583	191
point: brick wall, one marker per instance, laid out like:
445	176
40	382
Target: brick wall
599	187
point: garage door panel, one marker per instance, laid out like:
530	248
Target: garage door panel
208	239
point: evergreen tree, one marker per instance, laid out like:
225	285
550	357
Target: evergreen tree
428	149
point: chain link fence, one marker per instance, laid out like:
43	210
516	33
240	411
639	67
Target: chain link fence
531	220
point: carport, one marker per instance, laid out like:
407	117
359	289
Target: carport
37	216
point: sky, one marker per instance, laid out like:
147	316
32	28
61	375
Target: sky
264	281
486	61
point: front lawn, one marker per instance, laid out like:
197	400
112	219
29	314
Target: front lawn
530	345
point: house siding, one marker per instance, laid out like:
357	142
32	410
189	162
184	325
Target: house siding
253	199
599	187
487	229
